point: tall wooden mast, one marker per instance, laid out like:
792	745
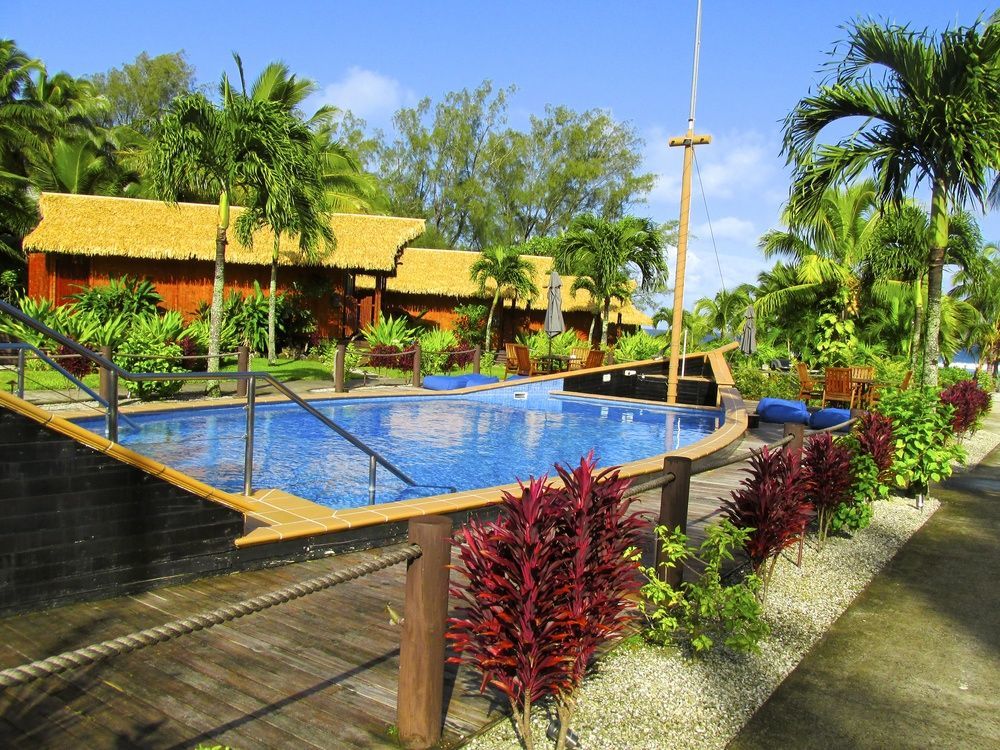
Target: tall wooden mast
688	141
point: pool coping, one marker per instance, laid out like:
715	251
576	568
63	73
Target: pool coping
273	515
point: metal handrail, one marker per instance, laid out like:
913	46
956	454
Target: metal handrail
115	372
20	347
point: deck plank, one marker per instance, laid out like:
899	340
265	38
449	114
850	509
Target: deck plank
316	673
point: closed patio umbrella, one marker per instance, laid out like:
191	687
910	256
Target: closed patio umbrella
554	324
748	339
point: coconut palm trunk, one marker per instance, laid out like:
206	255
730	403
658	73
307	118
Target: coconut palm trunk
272	303
604	323
487	344
935	274
218	285
918	324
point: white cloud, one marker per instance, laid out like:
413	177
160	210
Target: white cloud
735	165
367	94
728	228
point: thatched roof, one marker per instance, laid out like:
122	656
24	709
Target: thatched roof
123	227
445	273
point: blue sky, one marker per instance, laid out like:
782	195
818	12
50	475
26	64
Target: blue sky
632	58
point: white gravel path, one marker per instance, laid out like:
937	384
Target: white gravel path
646	698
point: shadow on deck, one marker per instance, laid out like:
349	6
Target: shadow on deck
320	672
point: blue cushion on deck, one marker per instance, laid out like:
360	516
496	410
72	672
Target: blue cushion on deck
824	418
780	410
477	378
444	382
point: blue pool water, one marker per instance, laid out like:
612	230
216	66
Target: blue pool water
477	440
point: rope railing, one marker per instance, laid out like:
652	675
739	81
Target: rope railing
832	428
653	484
109	649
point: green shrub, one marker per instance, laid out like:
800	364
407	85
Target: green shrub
140	354
924	439
703	611
561	344
11	285
470	324
127	296
435	345
634	347
948	376
755	383
390	331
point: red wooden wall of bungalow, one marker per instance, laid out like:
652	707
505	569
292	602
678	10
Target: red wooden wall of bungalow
185	284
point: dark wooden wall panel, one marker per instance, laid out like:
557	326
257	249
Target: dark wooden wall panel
76	524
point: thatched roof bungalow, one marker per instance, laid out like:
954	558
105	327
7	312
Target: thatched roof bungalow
430	283
85	240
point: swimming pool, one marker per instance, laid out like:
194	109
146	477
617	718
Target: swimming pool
468	441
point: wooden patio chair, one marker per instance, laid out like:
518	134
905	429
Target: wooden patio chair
525	364
595	358
906	380
510	366
808	388
862	380
577	357
876	392
837	387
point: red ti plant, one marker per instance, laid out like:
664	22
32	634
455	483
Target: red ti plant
970	401
772	503
875	438
826	468
596	532
544	585
513	623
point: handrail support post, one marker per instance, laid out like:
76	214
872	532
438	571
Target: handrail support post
242	365
372	468
251	389
674	511
422	646
112	399
20	373
338	367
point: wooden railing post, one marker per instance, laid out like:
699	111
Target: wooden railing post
674	509
242	365
416	365
477	355
105	375
422	648
338	367
798	433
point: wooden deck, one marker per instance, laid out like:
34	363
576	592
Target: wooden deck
320	672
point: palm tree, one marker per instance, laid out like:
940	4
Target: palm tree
74	165
604	254
326	178
23	121
242	144
510	273
826	247
931	116
725	312
983	293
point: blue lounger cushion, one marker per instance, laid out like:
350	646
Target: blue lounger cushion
476	378
444	382
824	418
780	410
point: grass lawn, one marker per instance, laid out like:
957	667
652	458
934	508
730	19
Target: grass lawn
283	369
